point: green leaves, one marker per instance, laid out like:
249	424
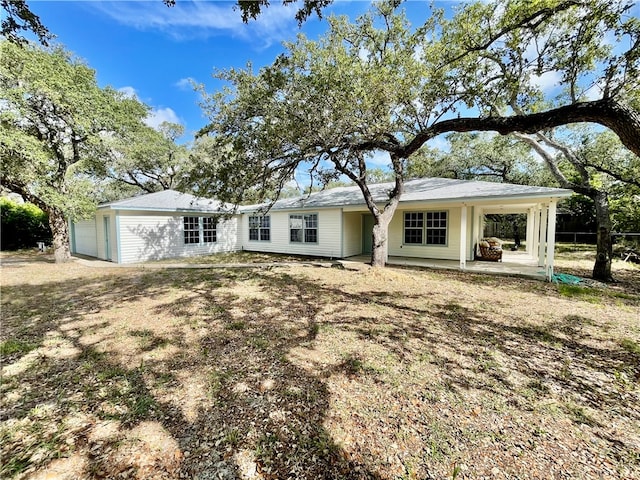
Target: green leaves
56	129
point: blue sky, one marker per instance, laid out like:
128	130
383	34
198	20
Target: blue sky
152	50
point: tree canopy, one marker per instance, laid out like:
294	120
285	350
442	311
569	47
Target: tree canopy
150	160
380	85
54	125
482	156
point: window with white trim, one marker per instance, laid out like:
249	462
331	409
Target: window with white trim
413	227
199	230
436	228
209	229
303	228
260	228
425	228
191	230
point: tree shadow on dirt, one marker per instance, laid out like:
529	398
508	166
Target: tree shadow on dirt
210	394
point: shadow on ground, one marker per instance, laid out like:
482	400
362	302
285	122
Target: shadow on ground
173	373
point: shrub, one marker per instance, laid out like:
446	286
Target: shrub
22	225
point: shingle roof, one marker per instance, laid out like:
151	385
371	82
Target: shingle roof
422	189
167	200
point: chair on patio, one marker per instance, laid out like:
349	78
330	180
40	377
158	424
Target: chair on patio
490	250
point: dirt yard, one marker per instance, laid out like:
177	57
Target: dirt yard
315	372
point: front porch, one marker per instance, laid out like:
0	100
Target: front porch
519	264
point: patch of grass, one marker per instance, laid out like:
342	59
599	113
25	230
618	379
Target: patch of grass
111	372
630	346
11	346
353	364
579	414
260	343
236	325
148	340
624	296
142	406
14	465
486	362
584	293
217	380
232	437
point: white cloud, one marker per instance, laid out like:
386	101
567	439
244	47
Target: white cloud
378	159
159	115
185	83
547	82
195	19
129	92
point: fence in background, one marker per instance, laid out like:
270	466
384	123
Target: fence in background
591	237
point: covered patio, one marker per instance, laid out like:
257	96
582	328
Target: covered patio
537	258
518	264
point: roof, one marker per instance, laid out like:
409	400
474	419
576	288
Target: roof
168	201
419	190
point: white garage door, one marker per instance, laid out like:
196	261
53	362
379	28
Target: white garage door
85	237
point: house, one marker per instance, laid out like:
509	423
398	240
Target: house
158	225
437	218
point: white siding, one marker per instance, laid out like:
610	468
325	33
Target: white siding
352	227
451	251
148	236
329	235
84	237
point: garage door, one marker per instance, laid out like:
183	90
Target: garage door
84	233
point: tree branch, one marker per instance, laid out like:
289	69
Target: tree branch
621	119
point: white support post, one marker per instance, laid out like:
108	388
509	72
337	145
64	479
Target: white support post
477	225
551	239
536	232
542	240
530	229
463	237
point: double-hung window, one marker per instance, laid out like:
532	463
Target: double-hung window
303	228
199	230
260	228
191	230
413	227
436	228
425	228
209	234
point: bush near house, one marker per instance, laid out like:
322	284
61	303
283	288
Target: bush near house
22	225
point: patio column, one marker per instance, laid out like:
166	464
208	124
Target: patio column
530	230
463	237
551	239
476	231
542	241
536	232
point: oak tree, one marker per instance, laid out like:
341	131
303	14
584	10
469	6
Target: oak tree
380	85
54	123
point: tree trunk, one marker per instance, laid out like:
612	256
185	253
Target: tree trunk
604	246
60	231
380	243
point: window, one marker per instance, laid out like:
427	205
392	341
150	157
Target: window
303	228
436	228
260	228
413	227
194	225
425	228
209	229
191	230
